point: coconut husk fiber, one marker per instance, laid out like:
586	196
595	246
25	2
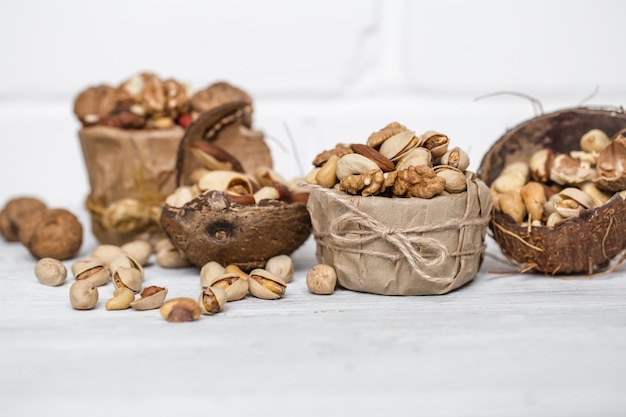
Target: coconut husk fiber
401	246
579	245
130	174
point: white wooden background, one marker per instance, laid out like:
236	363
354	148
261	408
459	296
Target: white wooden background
331	71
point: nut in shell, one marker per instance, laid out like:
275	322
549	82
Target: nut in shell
594	140
435	142
83	295
139	250
321	279
210	272
397	145
455	178
281	266
180	309
611	166
130	278
456	158
150	298
415	157
263	284
226	181
106	253
235	286
212	300
125	261
50	271
93	270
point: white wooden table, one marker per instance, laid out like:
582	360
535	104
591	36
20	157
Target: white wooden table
504	345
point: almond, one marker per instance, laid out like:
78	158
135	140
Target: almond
367	151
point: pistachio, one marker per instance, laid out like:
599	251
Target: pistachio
180	309
125	261
212	300
435	142
106	253
554	219
93	270
50	271
456	158
170	257
181	196
268	192
210	272
130	278
150	298
397	145
578	195
234	269
226	181
83	295
236	287
321	279
264	284
454	177
121	300
326	176
281	266
415	157
139	250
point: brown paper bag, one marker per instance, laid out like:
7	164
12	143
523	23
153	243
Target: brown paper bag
130	174
402	246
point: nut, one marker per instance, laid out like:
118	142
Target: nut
511	203
454	177
456	158
415	157
378	138
267	176
263	284
83	295
321	279
367	151
418	181
352	164
139	250
150	298
397	145
512	178
435	142
106	253
226	181
268	192
212	300
50	271
234	269
58	234
326	176
215	158
91	269
130	278
181	196
281	266
210	272
236	286
540	163
126	261
180	309
121	300
595	140
94	103
566	170
534	198
170	257
15	213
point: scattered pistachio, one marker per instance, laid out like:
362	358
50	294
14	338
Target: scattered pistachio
281	266
83	295
150	298
212	300
50	271
321	279
263	284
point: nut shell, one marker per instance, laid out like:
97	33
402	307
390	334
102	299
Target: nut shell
211	228
579	245
58	234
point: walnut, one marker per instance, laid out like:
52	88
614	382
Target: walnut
377	138
16	213
176	98
339	150
418	181
58	234
370	183
94	103
124	118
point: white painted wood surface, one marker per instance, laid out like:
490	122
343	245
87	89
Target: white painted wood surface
504	345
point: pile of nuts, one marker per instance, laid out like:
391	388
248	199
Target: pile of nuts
222	172
145	101
395	162
551	187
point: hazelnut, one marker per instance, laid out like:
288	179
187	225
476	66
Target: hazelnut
321	279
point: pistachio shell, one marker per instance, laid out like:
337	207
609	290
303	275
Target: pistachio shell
212	300
435	142
455	178
281	266
130	278
106	253
225	180
126	261
210	272
394	147
150	302
181	196
93	270
578	195
415	157
139	250
264	284
235	286
456	158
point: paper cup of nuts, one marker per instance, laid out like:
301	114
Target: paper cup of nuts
130	137
400	215
227	211
557	182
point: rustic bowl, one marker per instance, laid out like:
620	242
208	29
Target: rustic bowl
579	245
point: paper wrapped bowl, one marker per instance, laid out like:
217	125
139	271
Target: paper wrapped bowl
578	245
402	246
130	174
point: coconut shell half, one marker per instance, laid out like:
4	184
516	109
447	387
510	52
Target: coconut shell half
212	228
580	245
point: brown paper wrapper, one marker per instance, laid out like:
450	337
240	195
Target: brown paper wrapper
130	174
402	246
